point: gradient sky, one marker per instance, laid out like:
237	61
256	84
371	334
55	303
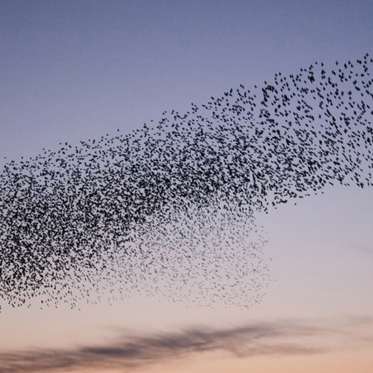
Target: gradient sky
72	70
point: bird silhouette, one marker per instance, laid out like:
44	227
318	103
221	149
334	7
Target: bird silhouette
169	206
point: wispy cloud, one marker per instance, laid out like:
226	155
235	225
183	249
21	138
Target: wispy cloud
277	338
363	248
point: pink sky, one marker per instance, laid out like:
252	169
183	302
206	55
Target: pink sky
321	276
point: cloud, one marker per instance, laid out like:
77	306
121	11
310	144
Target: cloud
364	248
128	352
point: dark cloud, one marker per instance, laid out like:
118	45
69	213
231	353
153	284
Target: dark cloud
277	338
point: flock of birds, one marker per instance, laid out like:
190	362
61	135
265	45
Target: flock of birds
170	207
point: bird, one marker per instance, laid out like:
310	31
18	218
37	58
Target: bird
166	209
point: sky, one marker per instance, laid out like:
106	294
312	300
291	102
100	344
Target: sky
72	70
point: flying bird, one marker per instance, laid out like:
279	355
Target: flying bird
138	208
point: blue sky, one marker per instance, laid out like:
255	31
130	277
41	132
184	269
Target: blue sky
72	70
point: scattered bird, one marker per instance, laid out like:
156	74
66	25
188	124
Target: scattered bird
170	207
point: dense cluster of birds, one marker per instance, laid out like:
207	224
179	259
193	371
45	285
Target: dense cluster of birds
136	210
